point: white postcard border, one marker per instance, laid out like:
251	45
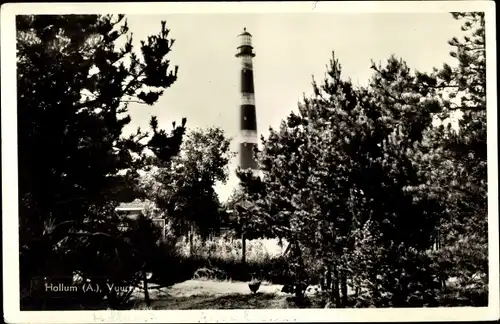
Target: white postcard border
12	314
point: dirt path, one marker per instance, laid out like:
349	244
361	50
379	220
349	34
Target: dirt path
215	288
208	294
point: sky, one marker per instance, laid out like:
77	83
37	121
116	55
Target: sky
290	48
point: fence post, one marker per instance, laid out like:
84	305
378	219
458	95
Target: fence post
243	246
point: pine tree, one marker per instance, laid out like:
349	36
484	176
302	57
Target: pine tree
461	154
337	180
74	84
305	180
395	227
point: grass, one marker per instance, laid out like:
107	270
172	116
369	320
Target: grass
230	301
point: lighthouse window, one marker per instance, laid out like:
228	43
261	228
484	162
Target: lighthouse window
246	40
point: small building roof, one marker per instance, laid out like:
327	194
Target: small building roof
137	204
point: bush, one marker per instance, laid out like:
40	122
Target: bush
221	259
169	267
210	274
175	266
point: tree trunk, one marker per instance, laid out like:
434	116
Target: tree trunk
343	288
147	300
163	232
325	282
375	285
329	279
300	275
357	284
336	284
299	294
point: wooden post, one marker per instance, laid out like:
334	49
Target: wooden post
147	299
191	243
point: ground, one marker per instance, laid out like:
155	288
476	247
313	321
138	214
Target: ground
210	294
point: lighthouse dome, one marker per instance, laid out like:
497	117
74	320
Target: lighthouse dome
245	33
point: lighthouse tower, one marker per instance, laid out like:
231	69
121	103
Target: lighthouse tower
248	119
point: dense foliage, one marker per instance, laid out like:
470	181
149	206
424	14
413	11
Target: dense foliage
74	84
375	183
185	188
456	162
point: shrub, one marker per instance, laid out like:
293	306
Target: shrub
220	259
170	266
210	273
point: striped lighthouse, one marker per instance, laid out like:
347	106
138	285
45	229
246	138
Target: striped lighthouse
248	119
